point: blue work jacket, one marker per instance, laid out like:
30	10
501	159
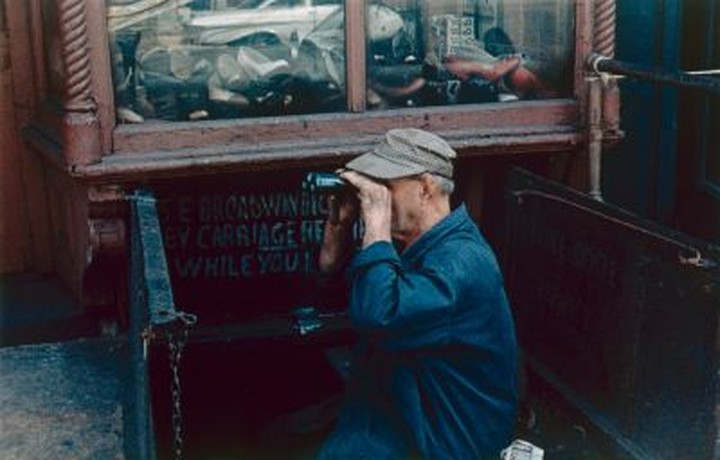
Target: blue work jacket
436	369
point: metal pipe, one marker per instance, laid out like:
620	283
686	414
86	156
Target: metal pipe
595	137
602	64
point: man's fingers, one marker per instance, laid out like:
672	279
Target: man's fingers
334	209
356	179
342	208
364	184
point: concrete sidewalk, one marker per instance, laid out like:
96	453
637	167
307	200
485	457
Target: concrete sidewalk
61	401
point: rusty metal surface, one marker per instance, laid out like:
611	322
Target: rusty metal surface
621	313
148	265
61	400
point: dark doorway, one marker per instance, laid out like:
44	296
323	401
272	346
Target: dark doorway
698	192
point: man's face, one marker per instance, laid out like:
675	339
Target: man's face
407	207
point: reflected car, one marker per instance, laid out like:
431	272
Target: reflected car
291	21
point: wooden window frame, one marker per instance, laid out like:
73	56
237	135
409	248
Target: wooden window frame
82	135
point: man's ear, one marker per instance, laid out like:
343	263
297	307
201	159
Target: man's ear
428	186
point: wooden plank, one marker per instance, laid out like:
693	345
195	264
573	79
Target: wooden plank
355	63
14	230
103	89
25	93
256	133
231	158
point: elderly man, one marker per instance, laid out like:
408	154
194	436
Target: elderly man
435	371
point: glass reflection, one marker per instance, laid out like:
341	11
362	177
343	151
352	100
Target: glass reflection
448	52
212	59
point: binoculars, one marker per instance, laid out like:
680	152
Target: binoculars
324	182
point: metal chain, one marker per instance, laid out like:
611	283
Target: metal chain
176	343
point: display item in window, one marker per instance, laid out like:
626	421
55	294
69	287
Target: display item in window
196	60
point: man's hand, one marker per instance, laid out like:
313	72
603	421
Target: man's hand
337	237
375	207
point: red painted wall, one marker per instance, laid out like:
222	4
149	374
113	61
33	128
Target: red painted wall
24	229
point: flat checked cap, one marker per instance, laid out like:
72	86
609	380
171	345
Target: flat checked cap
406	152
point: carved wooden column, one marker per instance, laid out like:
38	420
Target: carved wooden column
604	44
603	95
81	129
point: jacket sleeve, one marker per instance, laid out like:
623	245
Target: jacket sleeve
385	296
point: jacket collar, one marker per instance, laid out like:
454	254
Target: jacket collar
453	221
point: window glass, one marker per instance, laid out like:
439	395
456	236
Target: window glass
450	51
181	60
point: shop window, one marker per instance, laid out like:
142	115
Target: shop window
213	59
